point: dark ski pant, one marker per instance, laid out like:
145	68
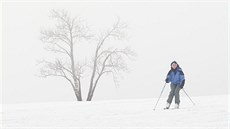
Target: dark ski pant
175	91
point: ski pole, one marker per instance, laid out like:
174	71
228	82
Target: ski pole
159	97
188	97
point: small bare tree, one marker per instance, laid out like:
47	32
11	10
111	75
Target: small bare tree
62	39
108	60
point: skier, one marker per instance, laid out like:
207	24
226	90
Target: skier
177	79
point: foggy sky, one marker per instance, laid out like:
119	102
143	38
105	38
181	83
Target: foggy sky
194	34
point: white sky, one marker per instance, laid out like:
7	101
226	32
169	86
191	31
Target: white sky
195	34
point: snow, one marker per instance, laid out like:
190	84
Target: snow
209	112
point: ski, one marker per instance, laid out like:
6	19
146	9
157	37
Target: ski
174	108
170	108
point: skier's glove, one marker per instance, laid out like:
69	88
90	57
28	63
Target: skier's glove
167	80
182	84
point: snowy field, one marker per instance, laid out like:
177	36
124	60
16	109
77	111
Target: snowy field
210	112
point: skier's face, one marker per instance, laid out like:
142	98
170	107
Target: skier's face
174	65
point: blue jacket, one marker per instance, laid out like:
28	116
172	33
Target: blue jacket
176	77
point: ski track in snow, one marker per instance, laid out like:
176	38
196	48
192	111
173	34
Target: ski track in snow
209	112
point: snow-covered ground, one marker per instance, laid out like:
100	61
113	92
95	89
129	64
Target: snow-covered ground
209	112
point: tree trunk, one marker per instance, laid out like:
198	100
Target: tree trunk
90	93
78	96
89	98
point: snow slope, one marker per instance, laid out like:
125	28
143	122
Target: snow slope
209	112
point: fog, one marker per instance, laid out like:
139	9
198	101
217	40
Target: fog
195	34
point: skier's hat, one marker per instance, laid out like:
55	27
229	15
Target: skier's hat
173	62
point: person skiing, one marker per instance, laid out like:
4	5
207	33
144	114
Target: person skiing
177	79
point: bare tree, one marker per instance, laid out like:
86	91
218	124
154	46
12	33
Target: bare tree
62	39
108	60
